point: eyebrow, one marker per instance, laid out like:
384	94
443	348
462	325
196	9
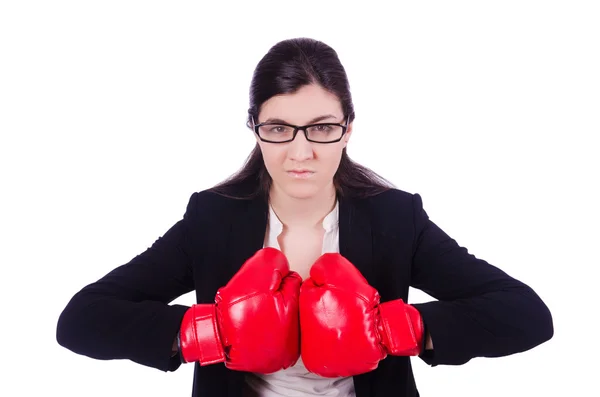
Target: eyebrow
315	120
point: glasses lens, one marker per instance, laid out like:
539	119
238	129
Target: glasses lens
276	132
325	132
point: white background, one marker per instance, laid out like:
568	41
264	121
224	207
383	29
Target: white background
113	113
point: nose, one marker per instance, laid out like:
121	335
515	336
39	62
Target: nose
300	149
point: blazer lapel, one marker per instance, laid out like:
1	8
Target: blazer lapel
356	243
247	234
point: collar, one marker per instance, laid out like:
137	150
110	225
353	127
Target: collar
330	222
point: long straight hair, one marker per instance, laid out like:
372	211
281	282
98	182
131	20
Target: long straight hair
288	66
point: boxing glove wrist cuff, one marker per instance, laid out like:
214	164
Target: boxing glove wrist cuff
401	328
199	335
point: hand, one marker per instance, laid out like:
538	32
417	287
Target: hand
345	329
253	324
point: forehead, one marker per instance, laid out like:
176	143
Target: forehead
302	106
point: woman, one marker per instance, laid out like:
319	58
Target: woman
301	264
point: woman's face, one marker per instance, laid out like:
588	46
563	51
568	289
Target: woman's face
319	161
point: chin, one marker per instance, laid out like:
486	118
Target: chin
300	191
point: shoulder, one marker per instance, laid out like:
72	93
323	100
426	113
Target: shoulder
206	204
393	211
392	198
208	216
390	202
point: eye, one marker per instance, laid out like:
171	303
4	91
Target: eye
321	128
278	129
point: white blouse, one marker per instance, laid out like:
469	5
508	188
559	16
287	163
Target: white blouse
297	381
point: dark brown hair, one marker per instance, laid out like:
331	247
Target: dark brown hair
289	65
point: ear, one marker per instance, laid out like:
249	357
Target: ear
249	125
348	134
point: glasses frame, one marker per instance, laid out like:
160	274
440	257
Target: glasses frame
298	128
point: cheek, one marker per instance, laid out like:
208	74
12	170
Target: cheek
330	159
273	157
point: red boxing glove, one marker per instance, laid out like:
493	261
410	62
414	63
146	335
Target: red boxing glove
253	324
345	330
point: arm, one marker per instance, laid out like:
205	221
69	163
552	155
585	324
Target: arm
125	314
481	311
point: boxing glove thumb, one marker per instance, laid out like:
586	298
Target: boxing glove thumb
333	268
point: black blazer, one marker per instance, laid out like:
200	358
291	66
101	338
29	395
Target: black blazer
479	310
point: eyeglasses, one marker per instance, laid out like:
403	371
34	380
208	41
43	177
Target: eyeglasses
318	133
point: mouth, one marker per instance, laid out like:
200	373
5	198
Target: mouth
300	174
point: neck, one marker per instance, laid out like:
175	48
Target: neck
303	213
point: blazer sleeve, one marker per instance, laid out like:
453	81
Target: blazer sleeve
126	314
480	310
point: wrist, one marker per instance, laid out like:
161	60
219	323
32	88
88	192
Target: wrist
175	346
179	348
428	342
